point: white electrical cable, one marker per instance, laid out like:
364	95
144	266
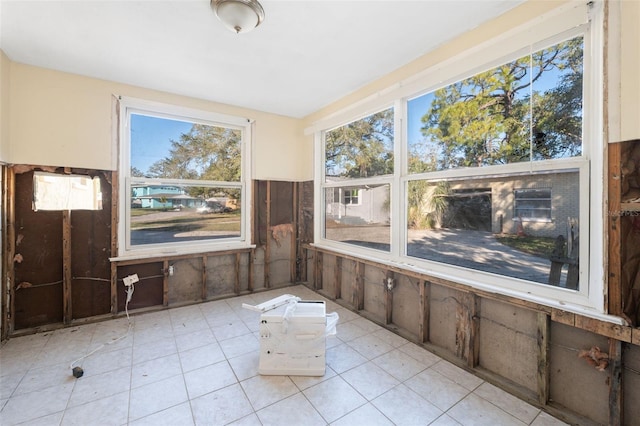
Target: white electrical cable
130	290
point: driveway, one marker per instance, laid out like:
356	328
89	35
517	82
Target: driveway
477	250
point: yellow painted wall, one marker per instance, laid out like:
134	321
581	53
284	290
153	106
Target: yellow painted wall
630	70
61	119
4	107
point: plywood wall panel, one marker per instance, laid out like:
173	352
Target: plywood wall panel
574	384
406	304
442	324
38	262
148	291
221	275
508	345
631	384
185	285
374	300
90	251
280	258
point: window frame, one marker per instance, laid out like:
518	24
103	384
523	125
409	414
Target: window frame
558	25
129	106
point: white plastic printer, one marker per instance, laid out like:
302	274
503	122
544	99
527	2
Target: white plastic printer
293	336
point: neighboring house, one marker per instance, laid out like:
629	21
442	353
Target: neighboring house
163	197
358	205
543	206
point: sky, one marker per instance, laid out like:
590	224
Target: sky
151	138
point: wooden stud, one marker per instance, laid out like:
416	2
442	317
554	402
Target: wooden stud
542	375
473	351
337	278
317	282
635	336
114	241
165	283
293	250
205	260
389	283
236	284
303	264
468	328
252	255
10	206
358	289
424	293
267	248
67	314
616	411
603	328
615	285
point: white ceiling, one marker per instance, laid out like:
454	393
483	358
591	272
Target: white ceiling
305	55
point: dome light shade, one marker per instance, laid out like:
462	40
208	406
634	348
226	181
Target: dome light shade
240	16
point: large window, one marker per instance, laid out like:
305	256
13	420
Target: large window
487	178
183	179
359	165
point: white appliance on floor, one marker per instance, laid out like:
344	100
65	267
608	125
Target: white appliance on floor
293	336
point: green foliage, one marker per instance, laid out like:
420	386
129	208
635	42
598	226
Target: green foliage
427	204
486	119
205	153
362	148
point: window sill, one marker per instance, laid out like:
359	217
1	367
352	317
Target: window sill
579	305
171	253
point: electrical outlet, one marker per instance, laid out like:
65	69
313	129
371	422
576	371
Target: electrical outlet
131	279
171	270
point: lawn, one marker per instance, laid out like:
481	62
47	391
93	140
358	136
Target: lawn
537	246
228	222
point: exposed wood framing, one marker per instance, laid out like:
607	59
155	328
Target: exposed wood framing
267	247
252	255
389	283
615	289
114	242
337	278
473	331
358	289
8	287
619	332
616	411
424	294
317	271
67	314
205	259
165	283
294	234
236	283
542	375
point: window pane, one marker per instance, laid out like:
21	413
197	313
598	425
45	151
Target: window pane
473	223
557	100
163	214
365	222
363	148
173	149
488	119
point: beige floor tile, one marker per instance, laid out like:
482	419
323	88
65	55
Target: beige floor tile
365	415
177	415
208	379
405	407
112	410
475	411
370	380
221	407
334	398
266	390
157	396
294	410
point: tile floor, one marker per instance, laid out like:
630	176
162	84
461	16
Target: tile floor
198	365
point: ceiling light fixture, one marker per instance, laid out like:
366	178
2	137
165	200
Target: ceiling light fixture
240	16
